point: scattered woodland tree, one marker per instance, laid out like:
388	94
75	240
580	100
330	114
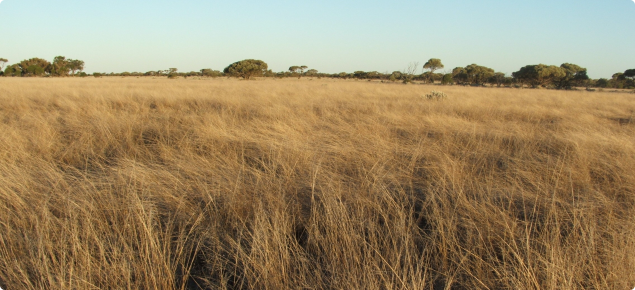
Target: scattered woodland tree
602	83
395	76
432	65
13	71
497	79
172	73
34	66
574	75
472	74
59	66
447	79
629	73
75	65
247	68
3	61
299	70
359	74
208	72
539	75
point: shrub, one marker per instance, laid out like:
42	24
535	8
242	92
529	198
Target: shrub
447	80
434	95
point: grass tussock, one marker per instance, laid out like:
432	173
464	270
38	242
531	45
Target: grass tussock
286	184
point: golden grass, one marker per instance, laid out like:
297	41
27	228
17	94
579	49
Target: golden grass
314	184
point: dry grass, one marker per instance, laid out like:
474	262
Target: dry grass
222	184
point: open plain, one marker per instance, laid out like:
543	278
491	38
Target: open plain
142	183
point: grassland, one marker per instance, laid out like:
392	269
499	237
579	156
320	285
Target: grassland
314	184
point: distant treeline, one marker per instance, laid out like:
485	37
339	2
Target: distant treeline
565	76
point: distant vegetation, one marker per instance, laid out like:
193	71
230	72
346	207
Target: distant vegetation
565	76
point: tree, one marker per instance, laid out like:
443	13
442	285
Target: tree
408	74
447	79
13	71
208	72
539	75
432	65
360	74
59	66
617	80
478	75
629	77
298	69
497	79
3	61
396	75
75	65
246	68
459	75
602	83
34	66
574	75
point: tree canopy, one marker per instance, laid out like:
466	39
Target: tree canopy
472	74
247	68
539	75
432	65
3	61
34	66
574	75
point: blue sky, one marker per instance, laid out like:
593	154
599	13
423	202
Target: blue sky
330	36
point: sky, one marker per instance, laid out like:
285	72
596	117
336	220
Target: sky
330	36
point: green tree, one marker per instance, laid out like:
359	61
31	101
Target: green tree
574	75
34	66
432	65
539	75
359	74
447	79
629	77
298	69
617	80
459	75
35	70
478	75
497	79
312	72
208	72
602	83
13	71
59	66
246	69
3	61
395	76
75	65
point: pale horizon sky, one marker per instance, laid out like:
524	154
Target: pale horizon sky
330	36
